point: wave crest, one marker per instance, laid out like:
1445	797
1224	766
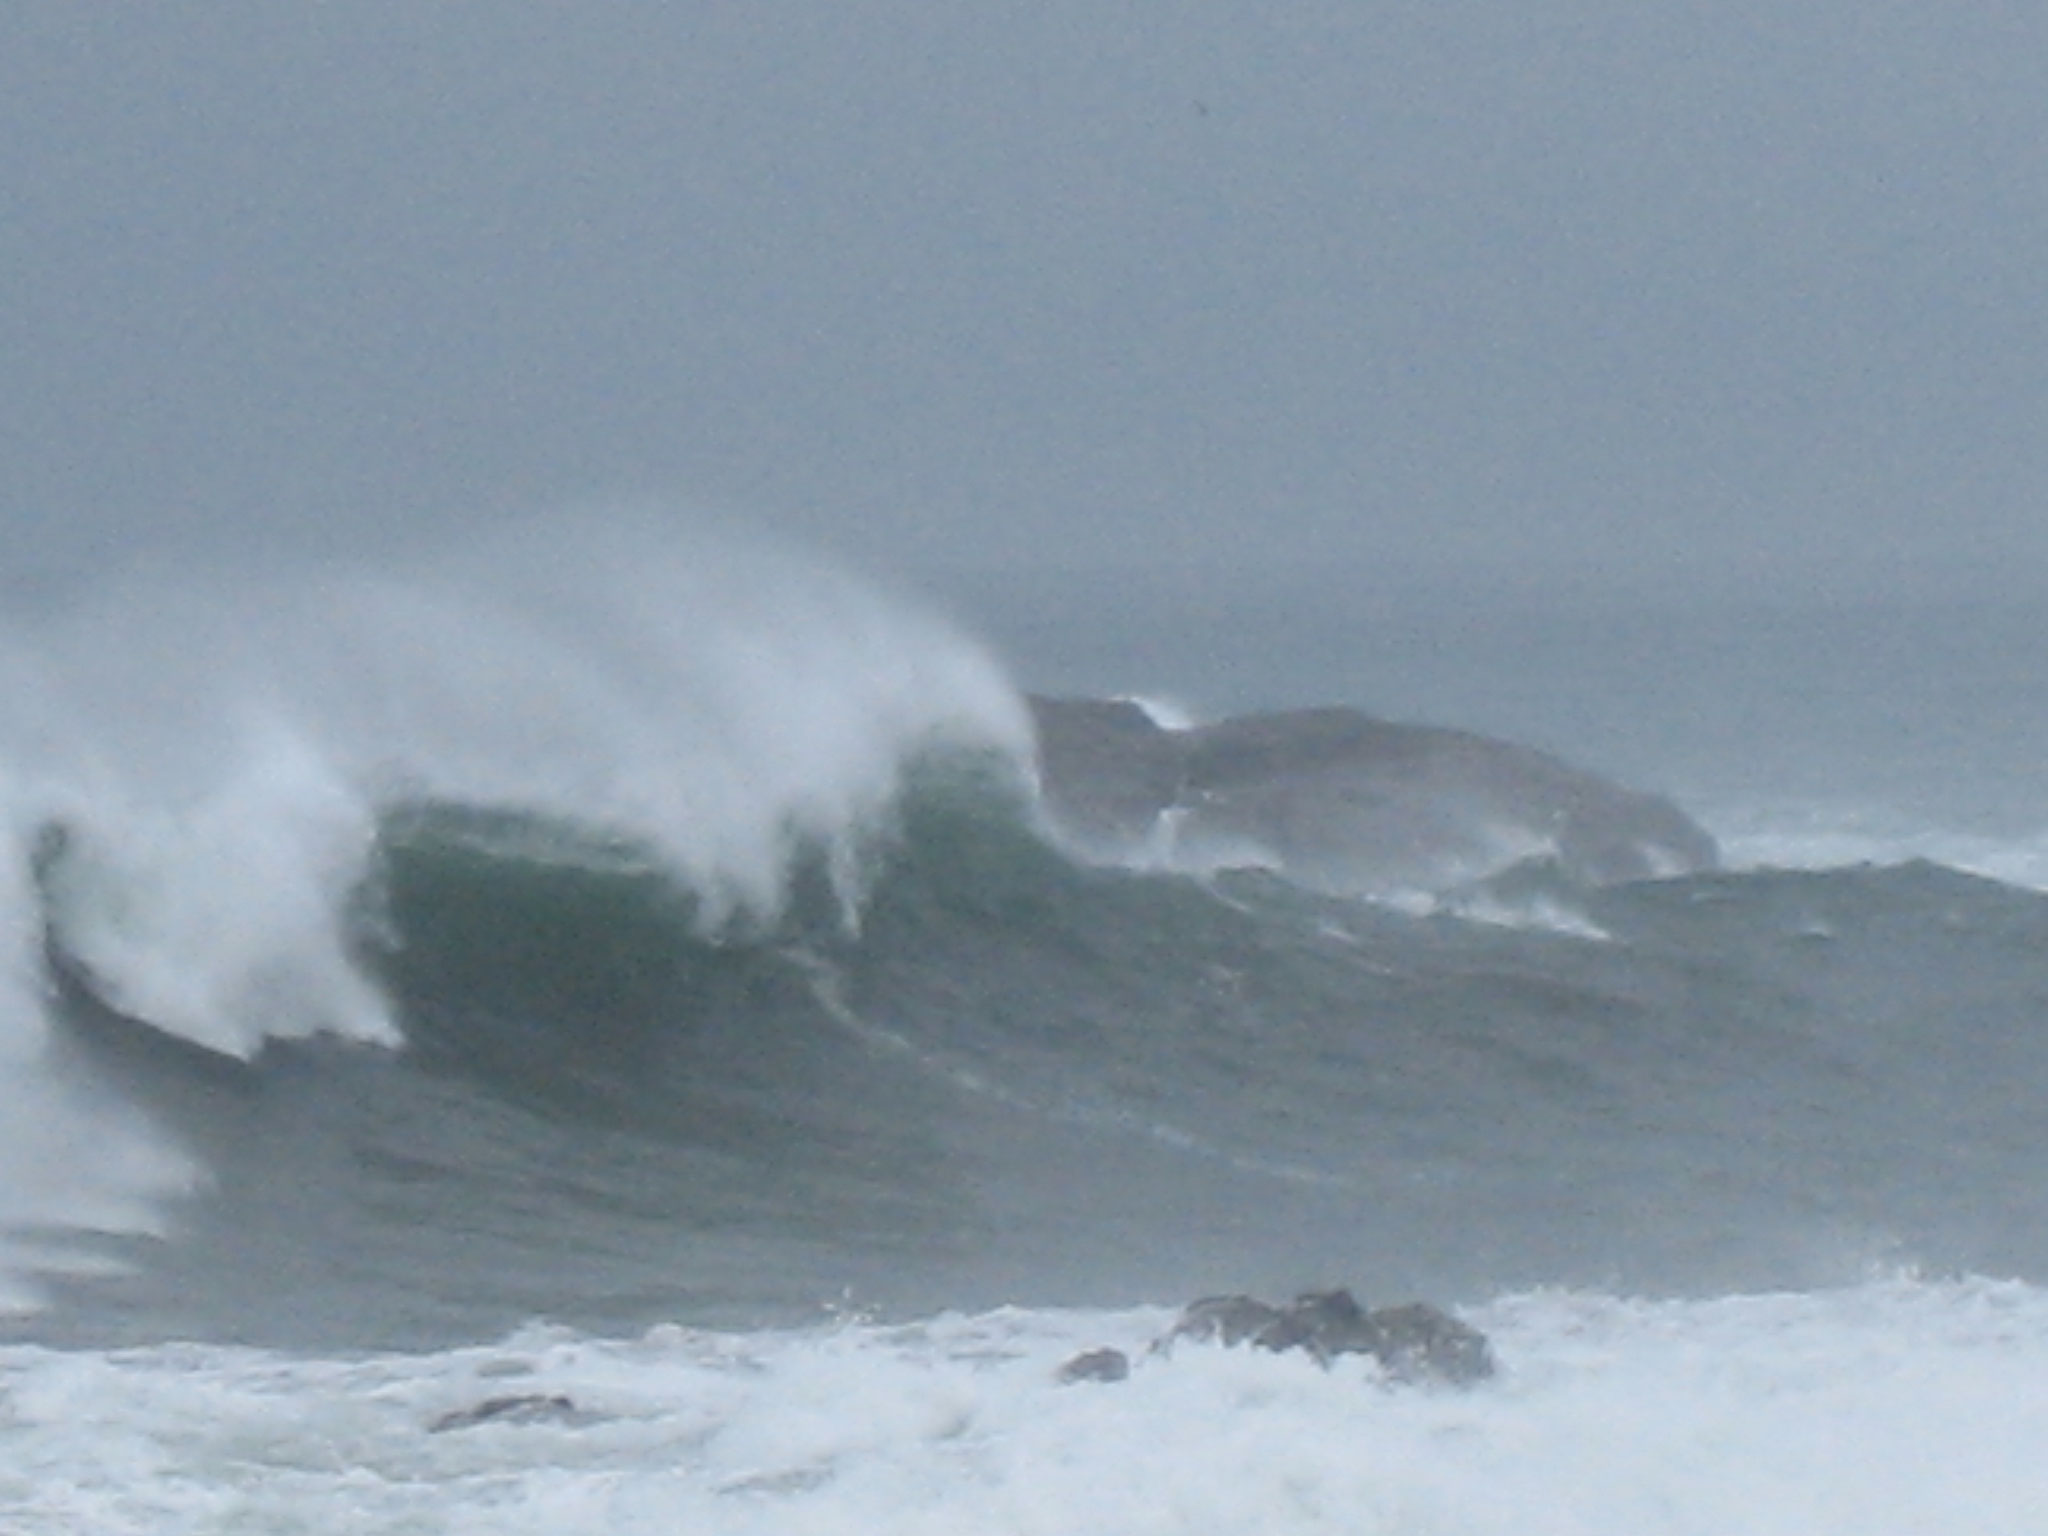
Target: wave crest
196	765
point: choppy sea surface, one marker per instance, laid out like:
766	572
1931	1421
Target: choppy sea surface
644	974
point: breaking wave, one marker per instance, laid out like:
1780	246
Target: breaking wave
197	770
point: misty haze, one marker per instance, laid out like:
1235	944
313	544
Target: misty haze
732	735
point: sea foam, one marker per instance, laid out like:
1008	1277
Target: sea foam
1892	1407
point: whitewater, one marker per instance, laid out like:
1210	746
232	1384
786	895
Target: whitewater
640	972
1889	1407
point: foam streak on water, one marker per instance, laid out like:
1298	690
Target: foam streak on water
1899	1406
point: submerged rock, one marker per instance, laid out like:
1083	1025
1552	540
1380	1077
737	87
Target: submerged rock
1096	1365
519	1408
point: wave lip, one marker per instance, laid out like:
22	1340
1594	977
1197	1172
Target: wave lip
1339	800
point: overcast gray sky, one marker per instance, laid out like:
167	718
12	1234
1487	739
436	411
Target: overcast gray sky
1629	289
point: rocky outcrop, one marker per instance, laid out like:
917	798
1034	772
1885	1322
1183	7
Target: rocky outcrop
1339	800
1412	1343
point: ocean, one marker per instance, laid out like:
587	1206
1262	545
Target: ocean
641	978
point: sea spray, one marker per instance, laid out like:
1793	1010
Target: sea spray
73	1161
198	763
225	758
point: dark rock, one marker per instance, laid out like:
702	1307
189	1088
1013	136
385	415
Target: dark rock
1221	1319
520	1408
1412	1343
1340	800
1096	1365
1419	1343
1324	1323
1107	769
